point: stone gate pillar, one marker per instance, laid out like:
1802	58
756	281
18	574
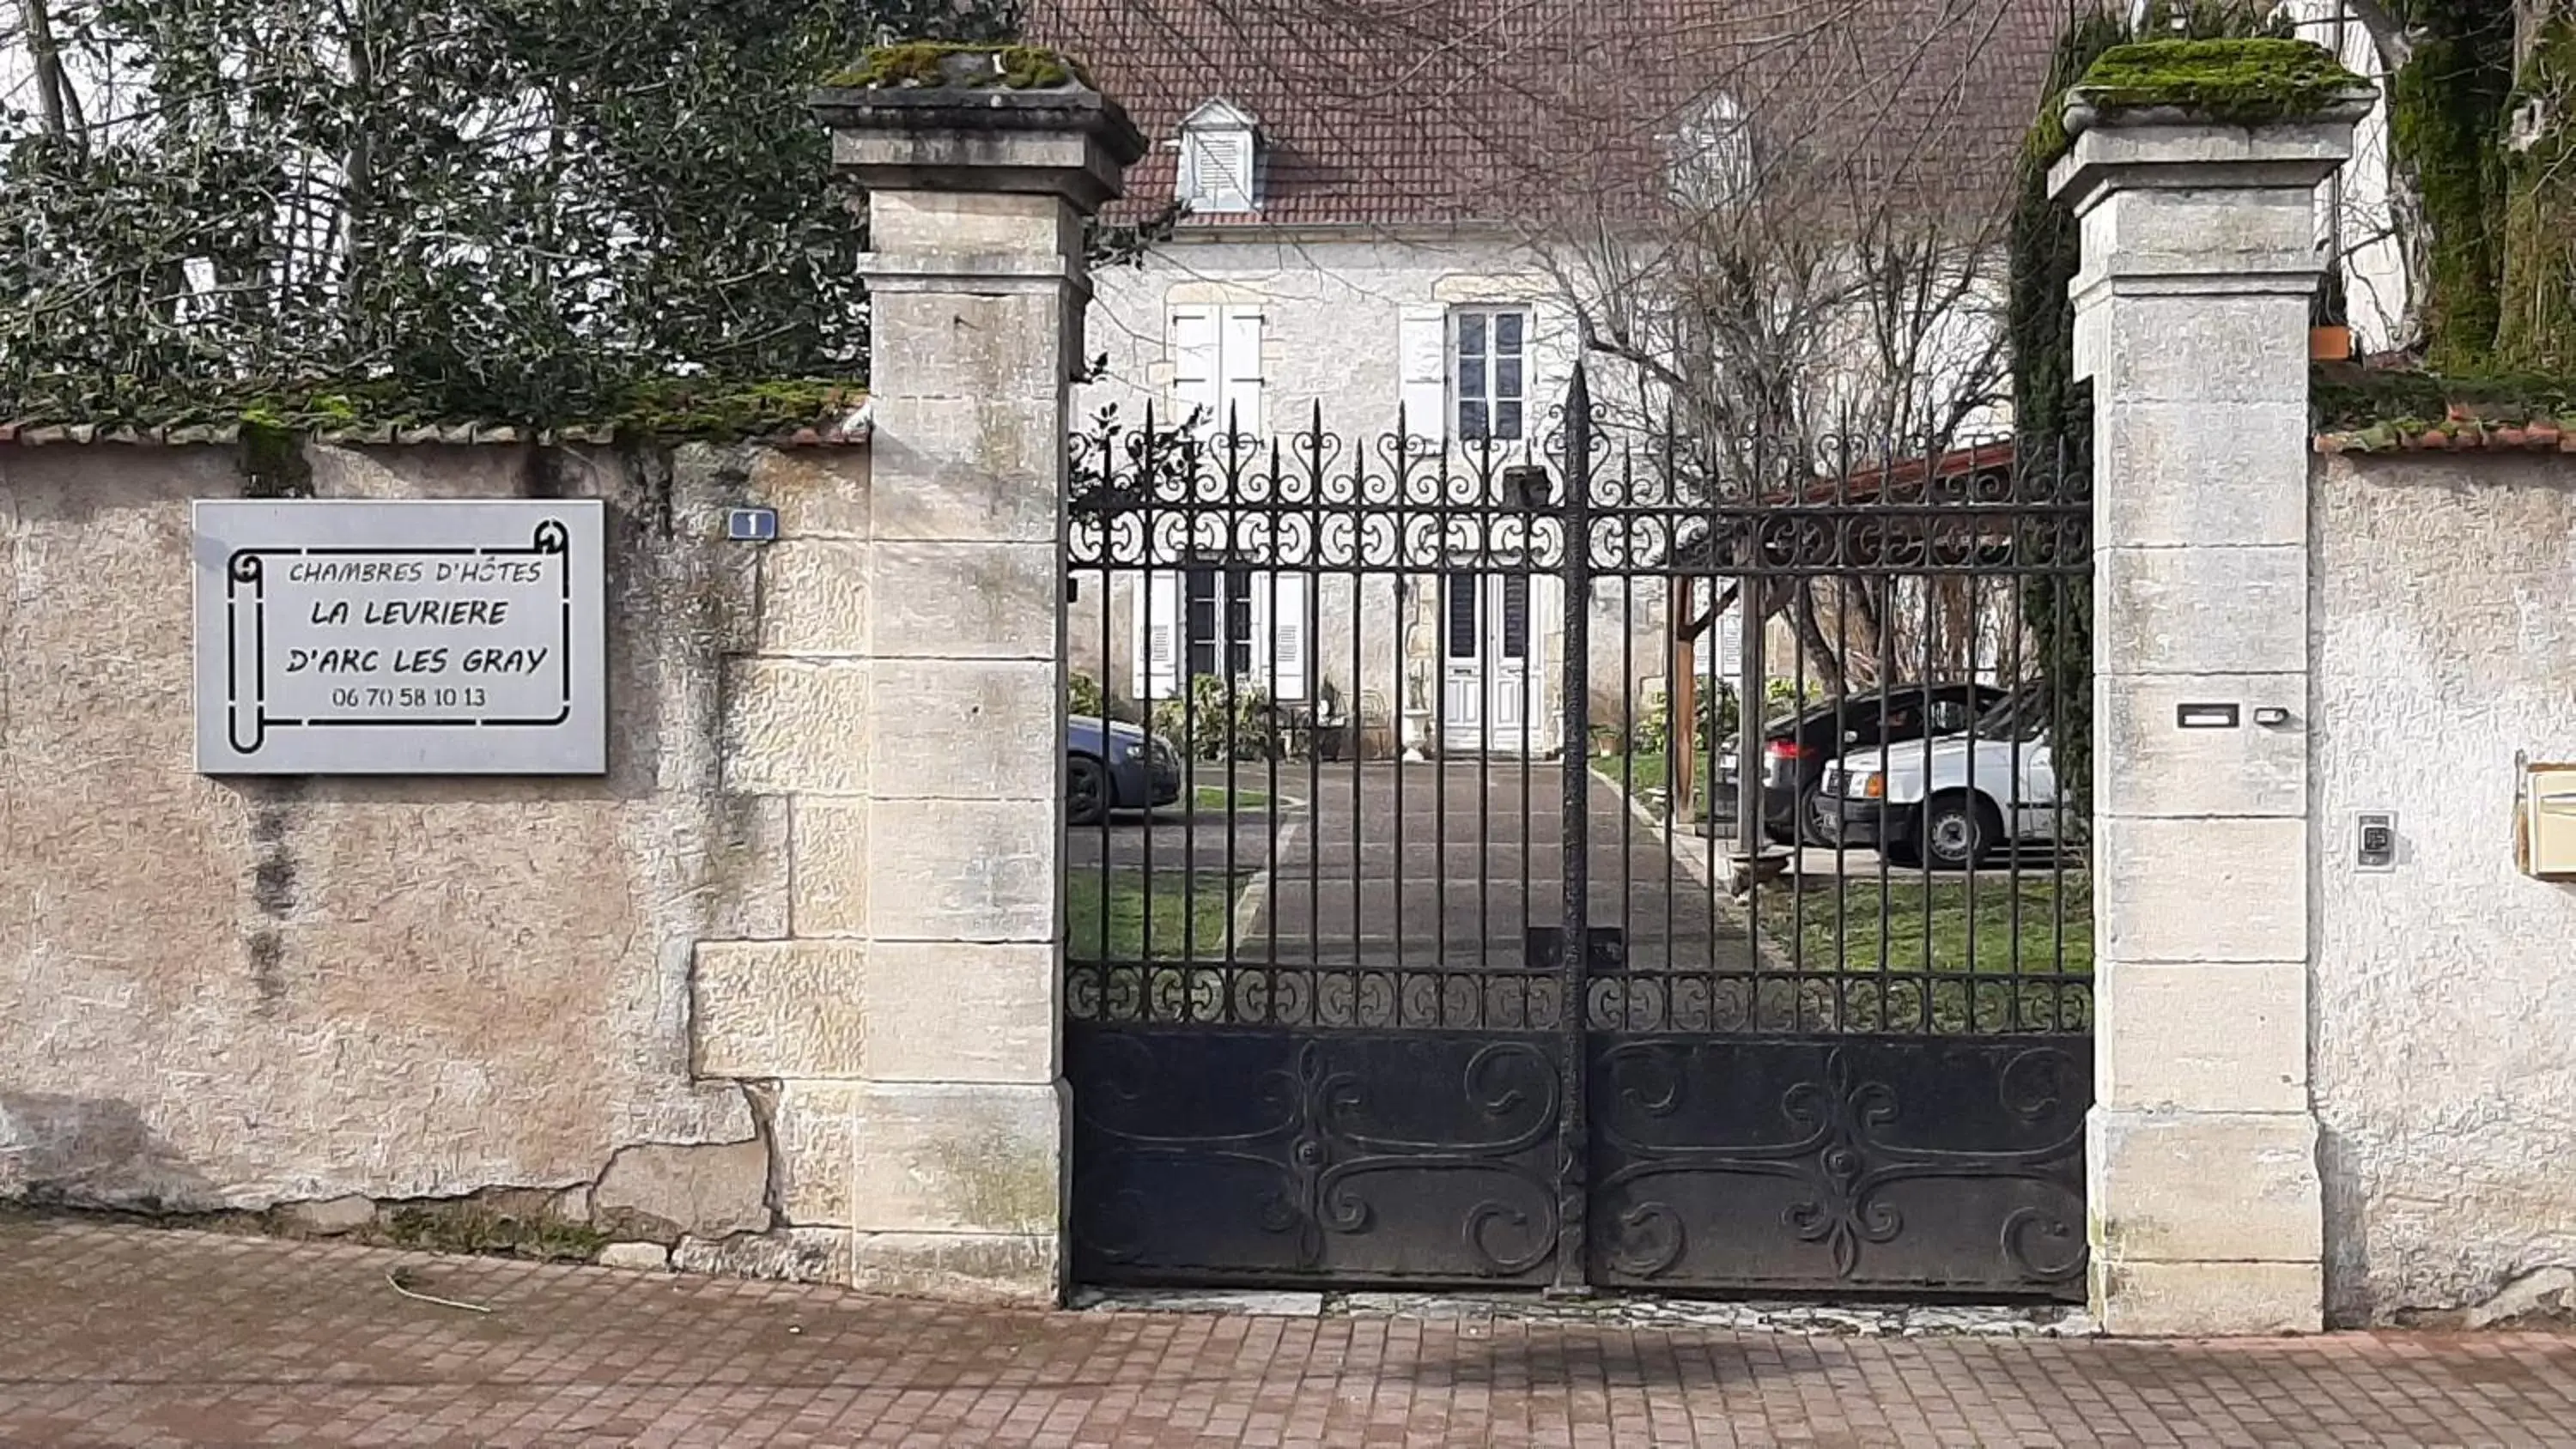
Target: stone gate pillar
978	192
2200	256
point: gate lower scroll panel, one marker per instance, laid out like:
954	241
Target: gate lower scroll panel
1274	1157
1863	1164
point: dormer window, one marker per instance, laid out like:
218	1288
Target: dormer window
1713	155
1220	159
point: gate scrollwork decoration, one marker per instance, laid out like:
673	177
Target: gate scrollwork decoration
1321	1156
1591	855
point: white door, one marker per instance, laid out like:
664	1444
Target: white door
1490	665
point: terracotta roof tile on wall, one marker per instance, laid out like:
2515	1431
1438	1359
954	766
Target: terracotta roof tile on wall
1411	112
2458	435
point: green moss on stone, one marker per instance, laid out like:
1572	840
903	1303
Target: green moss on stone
931	64
274	417
2239	82
273	464
469	1225
681	408
2444	108
2536	321
2346	398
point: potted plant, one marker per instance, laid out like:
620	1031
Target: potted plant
1417	710
1332	726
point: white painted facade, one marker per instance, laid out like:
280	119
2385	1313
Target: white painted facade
1363	331
1272	333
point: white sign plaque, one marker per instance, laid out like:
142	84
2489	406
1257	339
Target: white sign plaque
401	638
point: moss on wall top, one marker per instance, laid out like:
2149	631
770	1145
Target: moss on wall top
933	64
2365	409
671	409
2240	82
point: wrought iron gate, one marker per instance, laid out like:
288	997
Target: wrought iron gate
1388	965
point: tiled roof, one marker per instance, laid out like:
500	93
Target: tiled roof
2456	435
1409	112
1956	476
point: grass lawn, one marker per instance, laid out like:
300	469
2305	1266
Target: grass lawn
1206	799
1649	776
1911	925
1645	776
1191	915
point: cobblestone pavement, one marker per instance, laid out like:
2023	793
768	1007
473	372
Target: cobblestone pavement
123	1335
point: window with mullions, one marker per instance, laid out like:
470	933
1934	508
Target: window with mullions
1489	355
1218	606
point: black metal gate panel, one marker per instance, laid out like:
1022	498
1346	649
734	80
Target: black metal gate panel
1412	939
1278	1156
1860	1163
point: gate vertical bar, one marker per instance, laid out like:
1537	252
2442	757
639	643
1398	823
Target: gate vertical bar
1752	603
1573	1130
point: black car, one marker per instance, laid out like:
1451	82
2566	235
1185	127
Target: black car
1796	750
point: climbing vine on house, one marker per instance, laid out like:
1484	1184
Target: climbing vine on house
490	208
2482	119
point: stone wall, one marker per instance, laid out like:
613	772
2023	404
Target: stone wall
366	1000
2442	601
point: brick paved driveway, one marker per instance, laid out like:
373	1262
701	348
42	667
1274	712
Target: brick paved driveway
119	1335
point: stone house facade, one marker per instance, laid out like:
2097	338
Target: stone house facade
1342	260
1350	256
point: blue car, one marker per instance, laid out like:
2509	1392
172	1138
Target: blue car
1113	765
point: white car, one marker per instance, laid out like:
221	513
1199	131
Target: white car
1949	800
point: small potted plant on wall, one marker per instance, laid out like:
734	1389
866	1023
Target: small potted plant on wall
2329	326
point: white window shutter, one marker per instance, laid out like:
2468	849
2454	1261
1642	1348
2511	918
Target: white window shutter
1234	170
1239	372
1216	168
1196	367
1158	637
1422	346
1194	166
1290	669
1553	341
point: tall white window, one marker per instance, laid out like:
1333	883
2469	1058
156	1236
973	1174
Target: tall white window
1230	621
1216	369
1489	371
1220	154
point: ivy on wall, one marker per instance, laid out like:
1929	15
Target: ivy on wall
2482	120
2536	316
2053	413
2444	106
